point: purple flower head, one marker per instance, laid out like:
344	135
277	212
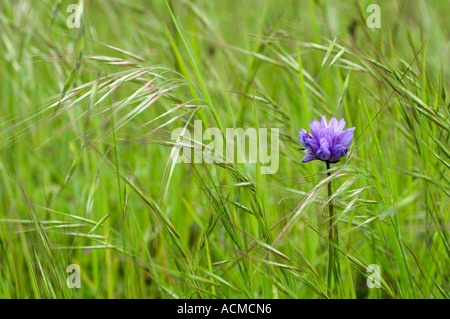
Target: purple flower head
327	142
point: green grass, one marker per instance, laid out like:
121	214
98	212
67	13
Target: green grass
88	170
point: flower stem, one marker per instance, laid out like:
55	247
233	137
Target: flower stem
331	234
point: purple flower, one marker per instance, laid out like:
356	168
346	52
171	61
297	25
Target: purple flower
327	142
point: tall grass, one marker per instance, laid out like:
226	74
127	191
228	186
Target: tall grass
88	164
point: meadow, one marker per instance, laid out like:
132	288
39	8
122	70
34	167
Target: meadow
91	93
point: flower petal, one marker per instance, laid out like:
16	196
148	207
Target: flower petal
313	144
333	125
337	152
309	158
324	152
324	121
340	126
327	134
301	136
315	128
345	137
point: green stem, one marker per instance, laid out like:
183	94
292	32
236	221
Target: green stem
331	234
